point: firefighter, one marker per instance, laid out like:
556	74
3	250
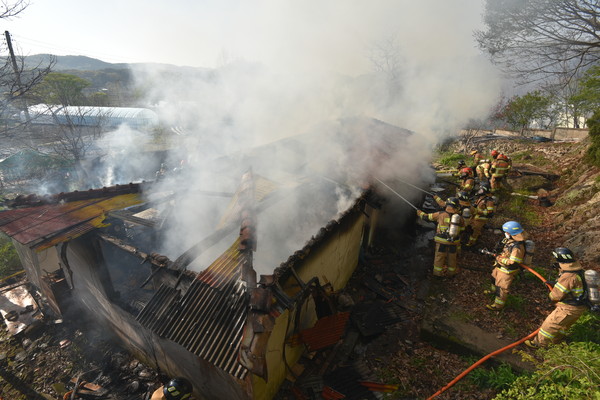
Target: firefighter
477	159
483	210
465	206
467	183
175	389
568	294
499	170
484	170
507	263
450	225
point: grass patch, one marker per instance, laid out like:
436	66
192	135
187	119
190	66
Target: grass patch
519	209
497	378
450	158
516	302
9	259
586	329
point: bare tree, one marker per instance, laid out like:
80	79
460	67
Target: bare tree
537	38
386	57
16	78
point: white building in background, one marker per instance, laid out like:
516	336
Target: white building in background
109	117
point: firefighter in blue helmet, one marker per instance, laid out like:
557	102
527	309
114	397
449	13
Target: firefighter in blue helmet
507	263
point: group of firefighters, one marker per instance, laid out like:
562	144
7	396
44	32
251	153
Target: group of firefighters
472	207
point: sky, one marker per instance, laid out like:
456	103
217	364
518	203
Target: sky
333	35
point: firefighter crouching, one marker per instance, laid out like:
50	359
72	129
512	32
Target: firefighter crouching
483	210
570	296
507	263
175	389
450	225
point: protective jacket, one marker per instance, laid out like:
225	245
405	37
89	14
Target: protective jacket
442	219
512	254
569	286
484	207
467	185
500	168
484	170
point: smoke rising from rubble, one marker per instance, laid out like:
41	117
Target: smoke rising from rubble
306	66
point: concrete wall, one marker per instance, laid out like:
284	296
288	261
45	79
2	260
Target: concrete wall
332	261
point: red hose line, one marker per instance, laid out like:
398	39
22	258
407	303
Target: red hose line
487	357
481	361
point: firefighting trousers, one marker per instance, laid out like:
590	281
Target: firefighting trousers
445	257
476	226
496	182
502	281
555	326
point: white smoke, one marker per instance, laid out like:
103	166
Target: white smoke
304	66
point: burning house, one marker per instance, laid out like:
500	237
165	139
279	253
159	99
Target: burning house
227	312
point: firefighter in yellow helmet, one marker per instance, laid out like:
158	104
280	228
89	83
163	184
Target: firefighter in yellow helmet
507	263
568	294
175	389
450	225
477	159
483	210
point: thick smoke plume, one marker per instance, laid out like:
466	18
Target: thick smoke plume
312	68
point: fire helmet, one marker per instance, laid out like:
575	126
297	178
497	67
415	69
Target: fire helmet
495	153
563	255
452	202
466	172
484	188
473	152
512	228
502	157
462	195
177	389
461	163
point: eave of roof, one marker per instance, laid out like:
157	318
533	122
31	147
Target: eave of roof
42	222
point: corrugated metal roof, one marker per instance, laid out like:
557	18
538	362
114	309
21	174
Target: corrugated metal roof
209	318
48	224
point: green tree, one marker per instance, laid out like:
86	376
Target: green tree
593	152
62	89
588	96
521	111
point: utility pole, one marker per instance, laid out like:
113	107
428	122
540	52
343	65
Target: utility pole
17	73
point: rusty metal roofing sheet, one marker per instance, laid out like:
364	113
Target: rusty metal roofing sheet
49	224
209	318
326	332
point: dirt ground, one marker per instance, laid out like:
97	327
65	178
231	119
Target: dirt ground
36	365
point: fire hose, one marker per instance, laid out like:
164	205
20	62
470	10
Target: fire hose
494	353
397	194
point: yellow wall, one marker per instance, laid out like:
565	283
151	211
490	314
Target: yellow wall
332	261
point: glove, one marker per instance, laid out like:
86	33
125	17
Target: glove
420	213
551	283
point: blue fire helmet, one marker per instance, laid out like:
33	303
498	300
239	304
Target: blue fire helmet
512	228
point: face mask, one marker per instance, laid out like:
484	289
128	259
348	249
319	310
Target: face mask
507	235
